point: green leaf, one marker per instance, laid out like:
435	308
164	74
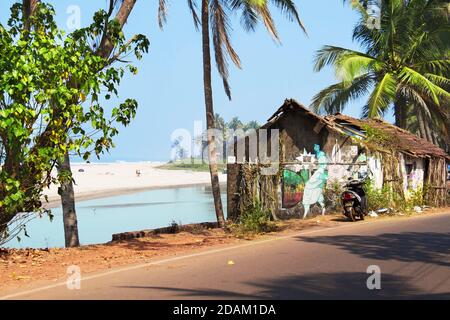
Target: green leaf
382	96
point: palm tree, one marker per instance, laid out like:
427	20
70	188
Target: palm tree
405	66
252	125
220	124
214	20
235	124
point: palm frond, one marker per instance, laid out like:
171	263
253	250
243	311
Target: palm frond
263	11
437	116
439	66
333	99
193	8
440	81
162	13
351	65
249	17
382	97
290	10
328	55
412	96
220	28
414	78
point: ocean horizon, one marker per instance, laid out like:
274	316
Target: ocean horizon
111	160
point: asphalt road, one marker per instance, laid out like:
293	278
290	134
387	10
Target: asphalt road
413	256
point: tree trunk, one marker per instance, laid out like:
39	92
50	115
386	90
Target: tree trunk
401	113
106	46
421	122
28	7
429	130
210	114
67	193
398	114
68	205
426	123
4	220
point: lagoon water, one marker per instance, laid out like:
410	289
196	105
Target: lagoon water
100	218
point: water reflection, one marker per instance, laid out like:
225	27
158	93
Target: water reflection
98	219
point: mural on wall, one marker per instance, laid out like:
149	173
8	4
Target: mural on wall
313	192
304	183
293	186
295	178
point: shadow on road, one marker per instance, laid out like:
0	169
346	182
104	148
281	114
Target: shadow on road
311	286
426	247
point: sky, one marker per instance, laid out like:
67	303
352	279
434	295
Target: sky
169	84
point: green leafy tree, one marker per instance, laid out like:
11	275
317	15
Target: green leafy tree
404	66
50	102
214	20
106	50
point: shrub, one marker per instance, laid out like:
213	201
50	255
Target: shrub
332	193
255	219
416	197
174	227
387	198
377	198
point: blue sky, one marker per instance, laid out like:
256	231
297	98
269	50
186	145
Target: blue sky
169	84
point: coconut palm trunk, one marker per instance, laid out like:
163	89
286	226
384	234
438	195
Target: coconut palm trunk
400	113
68	204
207	86
215	20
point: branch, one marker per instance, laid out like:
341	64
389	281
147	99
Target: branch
106	46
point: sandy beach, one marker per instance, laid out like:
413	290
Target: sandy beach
101	180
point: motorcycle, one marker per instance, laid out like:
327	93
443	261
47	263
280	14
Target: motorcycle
354	199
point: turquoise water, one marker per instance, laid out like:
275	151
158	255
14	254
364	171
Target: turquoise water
100	218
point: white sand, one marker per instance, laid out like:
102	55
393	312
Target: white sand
100	180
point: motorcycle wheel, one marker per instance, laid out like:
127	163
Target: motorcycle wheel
350	213
360	213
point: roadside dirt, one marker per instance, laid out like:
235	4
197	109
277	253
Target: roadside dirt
22	267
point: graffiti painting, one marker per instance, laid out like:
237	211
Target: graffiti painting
293	186
304	183
313	192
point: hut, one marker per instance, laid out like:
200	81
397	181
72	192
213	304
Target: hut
317	153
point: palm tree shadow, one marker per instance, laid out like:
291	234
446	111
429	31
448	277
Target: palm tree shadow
428	247
345	285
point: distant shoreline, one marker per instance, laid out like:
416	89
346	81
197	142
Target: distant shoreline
56	202
104	180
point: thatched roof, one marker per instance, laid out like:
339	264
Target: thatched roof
288	105
400	139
